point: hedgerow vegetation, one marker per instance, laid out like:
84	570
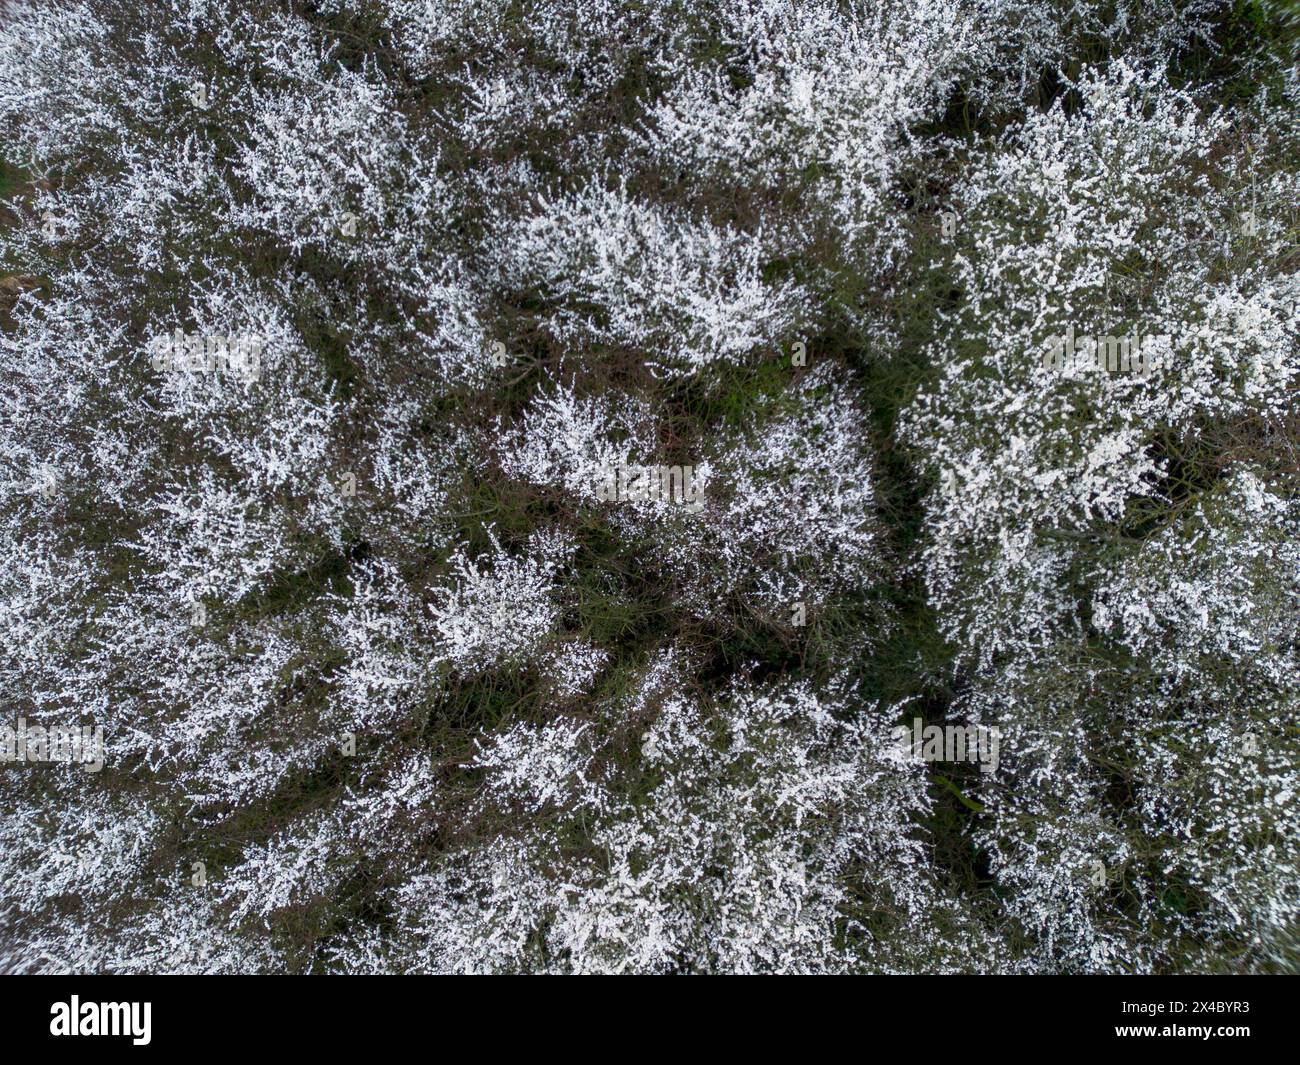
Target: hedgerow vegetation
388	682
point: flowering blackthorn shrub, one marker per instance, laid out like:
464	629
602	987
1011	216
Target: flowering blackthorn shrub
499	474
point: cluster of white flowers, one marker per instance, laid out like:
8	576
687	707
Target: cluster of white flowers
390	681
675	290
1119	577
747	827
1121	217
499	612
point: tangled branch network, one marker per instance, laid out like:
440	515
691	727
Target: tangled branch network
702	486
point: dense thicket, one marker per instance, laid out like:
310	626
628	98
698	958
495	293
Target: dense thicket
388	682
